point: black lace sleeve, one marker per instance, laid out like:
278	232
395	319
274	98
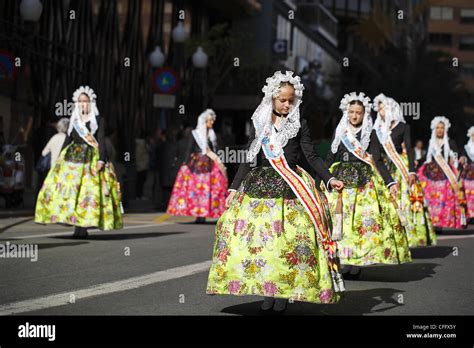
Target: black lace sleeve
409	148
311	155
375	151
101	140
244	167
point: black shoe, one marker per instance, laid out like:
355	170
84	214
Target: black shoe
280	305
354	275
200	220
80	233
267	304
345	269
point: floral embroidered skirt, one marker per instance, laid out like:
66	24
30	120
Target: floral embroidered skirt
200	189
265	245
372	233
441	199
420	231
74	193
467	177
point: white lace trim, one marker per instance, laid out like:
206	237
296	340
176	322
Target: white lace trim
201	133
470	132
433	145
393	113
94	112
367	124
470	150
470	144
262	116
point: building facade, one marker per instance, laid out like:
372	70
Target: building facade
451	30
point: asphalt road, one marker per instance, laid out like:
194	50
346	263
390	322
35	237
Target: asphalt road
158	265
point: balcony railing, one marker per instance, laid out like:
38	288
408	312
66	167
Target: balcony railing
320	20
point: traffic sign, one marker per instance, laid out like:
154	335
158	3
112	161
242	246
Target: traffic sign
7	65
165	81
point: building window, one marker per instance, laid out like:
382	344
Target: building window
353	6
365	6
467	71
466	43
340	4
467	15
441	13
439	39
329	4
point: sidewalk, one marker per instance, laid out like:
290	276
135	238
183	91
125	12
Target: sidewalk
134	206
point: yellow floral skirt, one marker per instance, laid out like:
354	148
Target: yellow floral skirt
74	193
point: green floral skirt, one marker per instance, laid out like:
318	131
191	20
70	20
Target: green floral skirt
265	245
74	193
372	233
420	231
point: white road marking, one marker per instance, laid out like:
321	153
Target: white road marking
456	237
103	289
68	233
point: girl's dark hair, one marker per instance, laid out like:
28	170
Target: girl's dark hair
285	83
357	102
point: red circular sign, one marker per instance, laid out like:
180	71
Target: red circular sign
165	81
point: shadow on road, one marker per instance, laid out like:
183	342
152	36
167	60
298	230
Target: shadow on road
48	245
432	252
4	228
353	303
122	236
398	273
56	245
452	232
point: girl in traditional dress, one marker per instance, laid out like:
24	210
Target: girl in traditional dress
438	176
372	231
82	189
274	239
394	136
200	188
467	174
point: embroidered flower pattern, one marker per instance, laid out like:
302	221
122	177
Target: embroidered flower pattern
267	247
372	232
72	195
200	189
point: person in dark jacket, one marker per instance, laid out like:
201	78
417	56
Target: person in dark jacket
438	176
201	184
273	240
168	164
467	172
372	230
82	189
394	135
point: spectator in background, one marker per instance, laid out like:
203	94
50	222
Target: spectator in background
168	163
153	142
183	144
109	144
420	153
53	147
56	142
142	161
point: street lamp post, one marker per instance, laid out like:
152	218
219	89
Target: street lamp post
179	33
157	58
200	62
179	36
30	10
